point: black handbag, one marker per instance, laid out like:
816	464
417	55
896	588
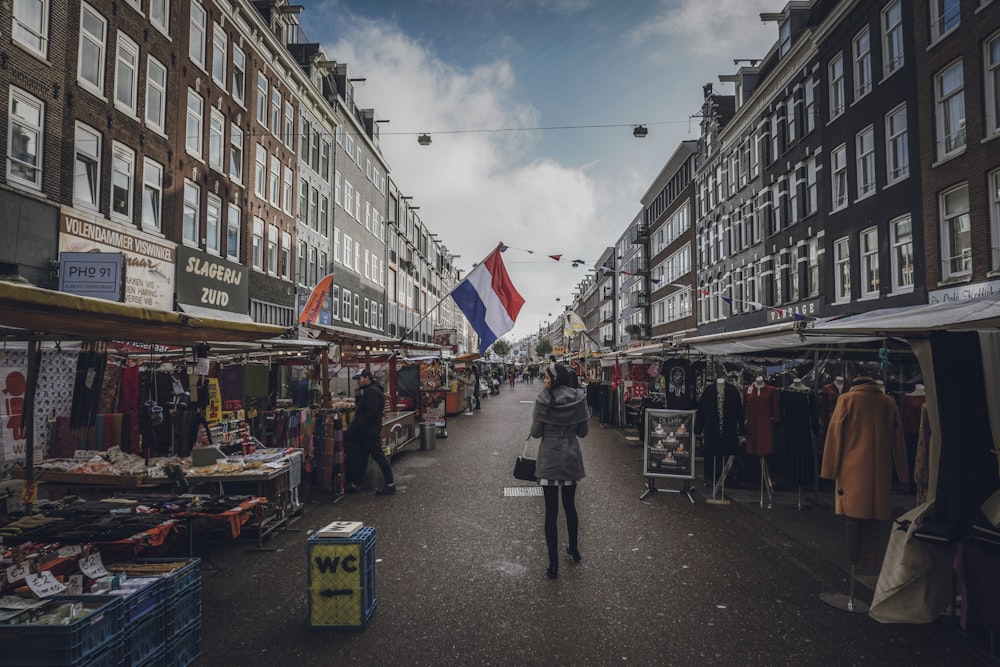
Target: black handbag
524	467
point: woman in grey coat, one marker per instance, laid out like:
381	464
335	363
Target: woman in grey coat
559	417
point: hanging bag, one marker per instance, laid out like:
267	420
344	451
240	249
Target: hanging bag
524	467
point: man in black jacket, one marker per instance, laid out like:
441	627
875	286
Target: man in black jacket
363	435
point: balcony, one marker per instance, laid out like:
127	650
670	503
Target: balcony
638	299
608	342
639	235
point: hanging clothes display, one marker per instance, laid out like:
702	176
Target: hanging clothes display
828	397
678	380
128	403
54	393
762	413
799	423
87	385
719	420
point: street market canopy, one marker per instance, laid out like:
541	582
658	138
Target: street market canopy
909	321
27	311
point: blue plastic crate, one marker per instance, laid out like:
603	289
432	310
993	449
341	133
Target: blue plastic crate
148	598
64	644
185	648
145	637
183	609
112	655
187	574
342	580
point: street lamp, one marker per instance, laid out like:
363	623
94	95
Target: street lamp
424	140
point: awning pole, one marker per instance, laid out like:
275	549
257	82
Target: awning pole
28	417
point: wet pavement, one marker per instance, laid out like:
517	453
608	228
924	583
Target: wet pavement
460	572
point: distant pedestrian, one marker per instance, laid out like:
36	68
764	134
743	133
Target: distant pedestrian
363	435
559	418
513	376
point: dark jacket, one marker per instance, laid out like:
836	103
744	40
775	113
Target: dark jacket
719	439
559	417
369	406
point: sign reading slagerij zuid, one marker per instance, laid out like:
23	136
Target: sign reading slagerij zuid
209	281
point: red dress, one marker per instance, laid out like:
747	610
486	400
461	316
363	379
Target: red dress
763	411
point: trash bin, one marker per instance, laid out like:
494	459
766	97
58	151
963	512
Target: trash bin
428	433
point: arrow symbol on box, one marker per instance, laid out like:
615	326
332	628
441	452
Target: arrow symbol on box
343	592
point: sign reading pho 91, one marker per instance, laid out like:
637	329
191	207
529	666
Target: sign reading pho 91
209	281
669	444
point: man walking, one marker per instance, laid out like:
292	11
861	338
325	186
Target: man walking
363	435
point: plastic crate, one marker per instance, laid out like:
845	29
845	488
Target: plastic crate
112	655
145	637
64	644
185	648
146	599
187	575
183	609
342	580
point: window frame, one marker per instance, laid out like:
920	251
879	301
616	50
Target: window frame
842	270
838	90
152	195
862	63
839	200
939	16
239	78
29	127
220	50
194	120
991	83
156	103
197	34
865	162
948	256
901	250
257	247
993	200
897	147
868	249
943	112
99	44
39	33
191	213
234	231
93	175
213	224
892	39
217	140
237	153
122	166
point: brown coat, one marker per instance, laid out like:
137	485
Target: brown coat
865	436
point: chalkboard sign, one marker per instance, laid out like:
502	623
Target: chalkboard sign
669	444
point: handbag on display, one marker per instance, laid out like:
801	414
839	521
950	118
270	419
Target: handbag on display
524	467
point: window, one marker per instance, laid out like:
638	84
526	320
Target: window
367	312
842	270
791	121
274	182
324	215
357	307
784	37
300	271
192	128
811	200
126	74
286	190
892	37
345	313
945	16
949	90
239	75
901	237
216	137
31	25
994	199
213	225
869	262
276	111
152	195
324	161
262	99
286	255
809	111
289	129
236	153
837	99
260	173
93	32
156	93
812	270
862	64
122	178
220	46
159	14
233	226
335	302
197	35
192	203
86	166
258	244
348	197
991	66
866	162
272	249
838	165
304	139
348	251
956	235
24	152
897	150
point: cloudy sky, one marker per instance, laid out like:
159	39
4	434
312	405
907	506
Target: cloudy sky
478	75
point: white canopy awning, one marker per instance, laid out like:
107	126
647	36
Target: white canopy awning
981	313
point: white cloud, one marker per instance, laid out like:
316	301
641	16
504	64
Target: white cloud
719	27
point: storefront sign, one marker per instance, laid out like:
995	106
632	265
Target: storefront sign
149	260
669	444
964	292
780	313
446	338
95	274
208	281
213	413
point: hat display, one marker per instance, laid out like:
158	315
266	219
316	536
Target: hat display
364	373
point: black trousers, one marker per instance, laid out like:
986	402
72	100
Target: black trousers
357	453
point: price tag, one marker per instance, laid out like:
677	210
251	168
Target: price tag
75	586
88	380
29	493
16	573
70	551
85	454
92	566
45	584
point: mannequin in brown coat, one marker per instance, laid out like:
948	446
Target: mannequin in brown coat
864	439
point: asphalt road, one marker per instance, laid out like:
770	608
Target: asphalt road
460	574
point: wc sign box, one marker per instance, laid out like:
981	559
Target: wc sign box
341	578
100	275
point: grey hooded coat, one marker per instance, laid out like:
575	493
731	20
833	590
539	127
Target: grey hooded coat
559	417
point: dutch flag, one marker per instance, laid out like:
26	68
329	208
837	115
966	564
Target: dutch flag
488	299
